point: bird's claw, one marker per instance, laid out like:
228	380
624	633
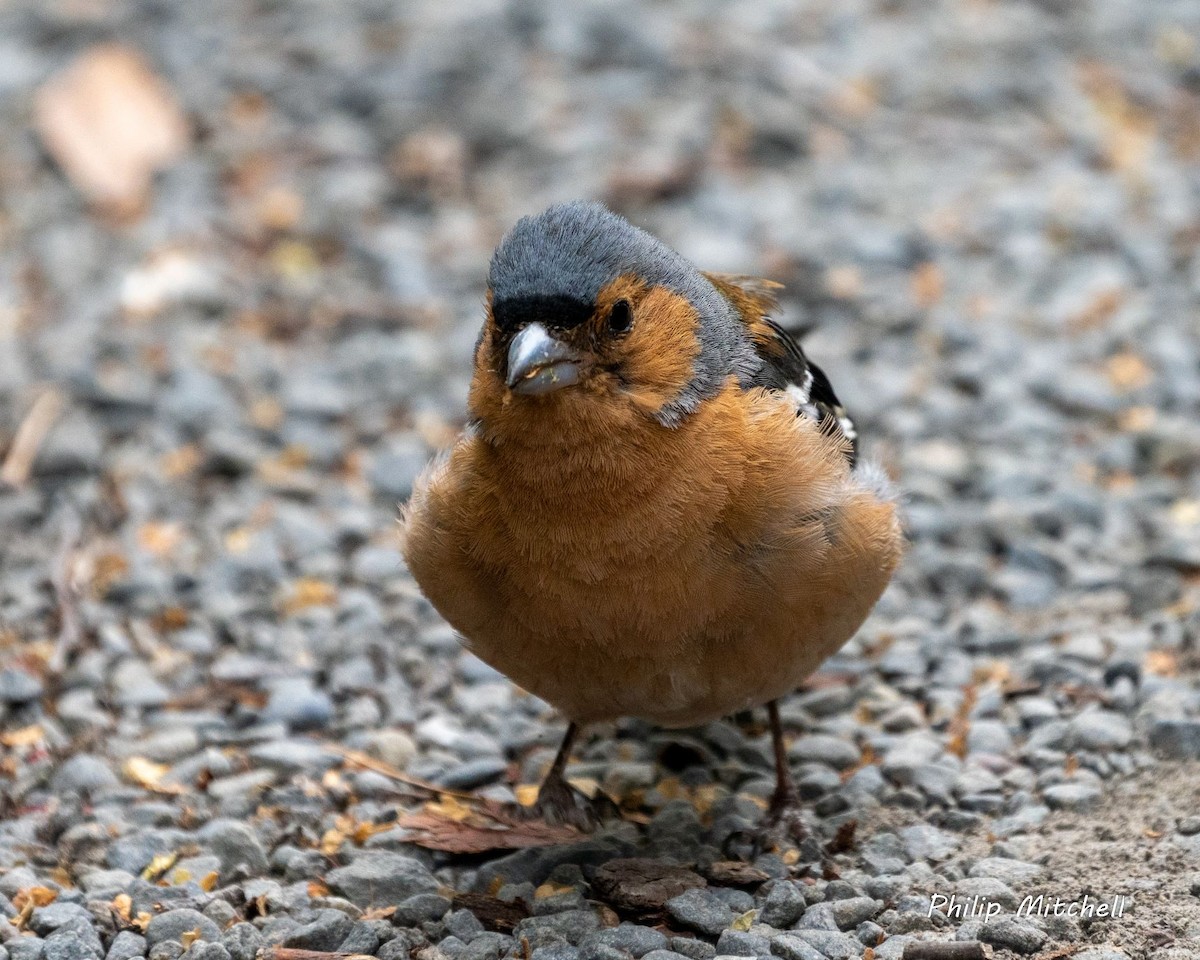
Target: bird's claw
558	804
783	823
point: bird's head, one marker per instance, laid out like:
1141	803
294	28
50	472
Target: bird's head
584	307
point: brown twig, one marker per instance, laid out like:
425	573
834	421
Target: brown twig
296	953
368	762
944	950
18	463
66	593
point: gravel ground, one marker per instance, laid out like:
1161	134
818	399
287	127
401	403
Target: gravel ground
214	665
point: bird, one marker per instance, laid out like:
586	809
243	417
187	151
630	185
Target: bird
656	508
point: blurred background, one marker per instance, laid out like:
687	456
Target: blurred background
243	246
242	256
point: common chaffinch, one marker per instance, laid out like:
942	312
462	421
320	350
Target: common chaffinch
655	510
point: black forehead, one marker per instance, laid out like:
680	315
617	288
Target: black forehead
553	311
564	256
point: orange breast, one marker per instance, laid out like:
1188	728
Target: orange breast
613	566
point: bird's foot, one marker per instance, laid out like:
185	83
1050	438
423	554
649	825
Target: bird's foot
783	824
559	803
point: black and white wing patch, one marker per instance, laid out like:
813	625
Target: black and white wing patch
787	368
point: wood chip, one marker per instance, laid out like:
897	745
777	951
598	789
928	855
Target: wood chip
111	123
488	828
962	950
639	885
500	916
734	873
23	451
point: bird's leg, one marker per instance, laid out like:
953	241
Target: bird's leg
557	801
783	820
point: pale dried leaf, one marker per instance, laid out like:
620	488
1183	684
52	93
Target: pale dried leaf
111	123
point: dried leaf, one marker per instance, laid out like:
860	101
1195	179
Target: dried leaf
159	539
317	888
148	774
159	865
1127	371
497	915
188	937
308	592
480	832
22	737
111	123
38	896
844	839
122	903
743	922
928	285
551	890
208	882
527	794
1162	663
641	885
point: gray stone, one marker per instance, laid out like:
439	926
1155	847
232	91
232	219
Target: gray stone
83	773
126	945
823	748
1177	739
243	941
299	704
827	943
487	946
204	950
924	842
326	932
628	938
849	913
701	910
1017	935
463	924
692	948
570	925
396	466
173	924
1100	730
783	906
381	877
1007	870
791	946
738	943
236	845
54	915
26	948
19	687
416	909
1071	796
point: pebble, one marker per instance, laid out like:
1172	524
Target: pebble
783	905
1071	796
380	878
701	910
829	750
18	687
1014	934
173	924
83	773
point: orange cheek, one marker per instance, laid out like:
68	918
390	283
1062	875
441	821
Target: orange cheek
660	351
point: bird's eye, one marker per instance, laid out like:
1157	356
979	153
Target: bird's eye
620	318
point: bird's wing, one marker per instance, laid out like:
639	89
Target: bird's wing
786	367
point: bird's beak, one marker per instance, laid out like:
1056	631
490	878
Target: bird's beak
537	363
